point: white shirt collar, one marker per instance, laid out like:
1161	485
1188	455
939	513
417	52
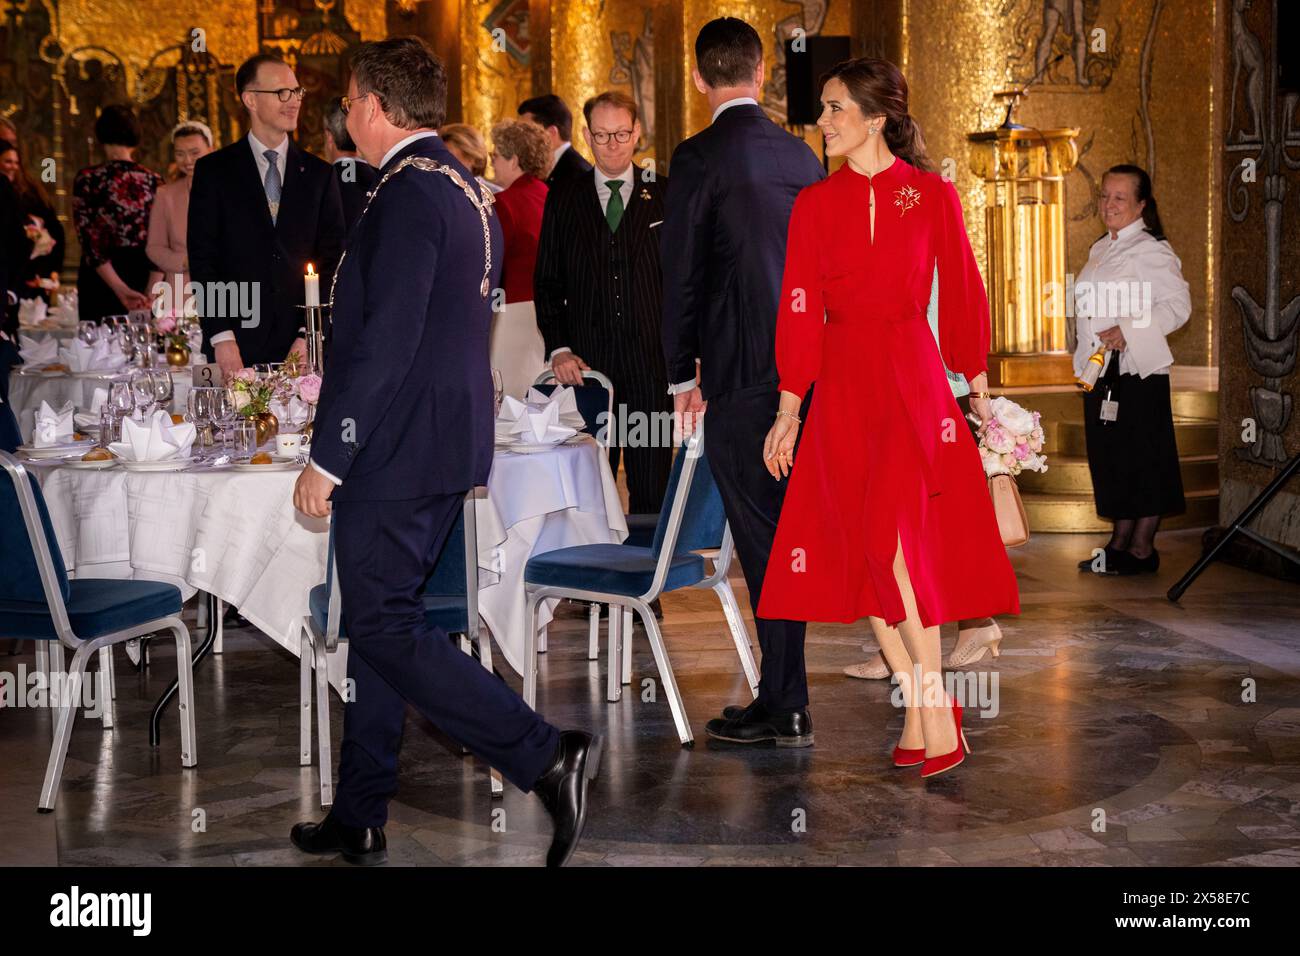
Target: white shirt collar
259	149
737	101
1132	229
403	143
628	175
559	151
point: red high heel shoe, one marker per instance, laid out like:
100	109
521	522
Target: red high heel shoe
937	765
908	758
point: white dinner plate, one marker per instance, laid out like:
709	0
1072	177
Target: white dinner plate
167	464
80	465
524	449
277	463
56	451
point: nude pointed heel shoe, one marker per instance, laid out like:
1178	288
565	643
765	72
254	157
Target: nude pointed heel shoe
970	650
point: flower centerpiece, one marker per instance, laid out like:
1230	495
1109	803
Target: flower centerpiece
254	394
1012	440
176	334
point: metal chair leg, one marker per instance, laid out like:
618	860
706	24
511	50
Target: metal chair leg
530	651
304	698
468	650
593	632
104	686
185	678
626	665
324	744
496	785
613	672
219	612
68	707
739	633
666	673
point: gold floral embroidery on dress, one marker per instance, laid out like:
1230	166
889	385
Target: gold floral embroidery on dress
906	198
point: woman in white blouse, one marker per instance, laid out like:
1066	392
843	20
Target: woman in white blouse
1128	298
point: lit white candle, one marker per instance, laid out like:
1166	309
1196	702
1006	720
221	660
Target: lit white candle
313	286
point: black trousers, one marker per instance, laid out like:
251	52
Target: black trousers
735	427
384	552
641	435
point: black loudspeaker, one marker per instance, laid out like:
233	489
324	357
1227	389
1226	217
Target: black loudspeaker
1288	58
803	68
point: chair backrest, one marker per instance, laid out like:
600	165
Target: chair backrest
31	565
692	518
595	402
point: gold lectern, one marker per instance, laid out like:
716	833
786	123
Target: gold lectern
1023	170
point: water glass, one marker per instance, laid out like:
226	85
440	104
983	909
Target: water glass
245	431
199	411
108	425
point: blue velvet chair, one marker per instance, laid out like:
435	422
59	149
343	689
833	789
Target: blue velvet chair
629	577
86	615
596	404
450	602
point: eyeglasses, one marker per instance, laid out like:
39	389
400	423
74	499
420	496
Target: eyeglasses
347	102
621	135
285	94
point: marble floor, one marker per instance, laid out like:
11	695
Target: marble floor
1119	730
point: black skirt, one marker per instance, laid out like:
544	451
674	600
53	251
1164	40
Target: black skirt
1134	459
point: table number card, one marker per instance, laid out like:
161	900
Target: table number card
205	374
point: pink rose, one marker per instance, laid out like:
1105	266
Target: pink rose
1022	452
165	324
309	388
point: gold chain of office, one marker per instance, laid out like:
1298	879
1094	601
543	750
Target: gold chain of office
483	205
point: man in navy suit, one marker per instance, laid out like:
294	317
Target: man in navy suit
403	430
260	210
728	210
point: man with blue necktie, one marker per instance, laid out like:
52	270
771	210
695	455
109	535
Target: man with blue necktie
403	430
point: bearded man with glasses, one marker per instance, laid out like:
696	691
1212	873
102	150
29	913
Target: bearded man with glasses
261	209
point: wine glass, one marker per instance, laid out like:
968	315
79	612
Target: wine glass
142	387
163	389
121	399
88	331
125	340
198	408
498	390
143	336
223	411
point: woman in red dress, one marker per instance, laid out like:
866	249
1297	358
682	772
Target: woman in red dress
888	514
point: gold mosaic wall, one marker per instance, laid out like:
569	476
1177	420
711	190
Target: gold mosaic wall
1147	98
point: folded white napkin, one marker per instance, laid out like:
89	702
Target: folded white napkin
31	311
52	427
155	440
294	413
562	397
41	351
521	423
65	313
99	356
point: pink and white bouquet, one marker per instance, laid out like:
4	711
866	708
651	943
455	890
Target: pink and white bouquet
1012	441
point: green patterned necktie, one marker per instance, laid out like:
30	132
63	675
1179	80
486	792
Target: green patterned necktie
614	211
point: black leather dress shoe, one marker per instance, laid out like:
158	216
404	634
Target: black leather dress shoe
563	791
757	726
736	711
1109	565
364	846
1131	564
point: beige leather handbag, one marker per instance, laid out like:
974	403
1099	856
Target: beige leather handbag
1012	522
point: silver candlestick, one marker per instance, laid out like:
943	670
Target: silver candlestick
315	337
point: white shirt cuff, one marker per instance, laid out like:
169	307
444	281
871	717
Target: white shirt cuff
555	352
682	387
335	481
220	337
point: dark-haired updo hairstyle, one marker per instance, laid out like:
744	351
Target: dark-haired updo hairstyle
878	87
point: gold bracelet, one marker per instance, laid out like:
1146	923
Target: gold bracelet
981	395
788	415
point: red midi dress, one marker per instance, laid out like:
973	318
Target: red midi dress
885	456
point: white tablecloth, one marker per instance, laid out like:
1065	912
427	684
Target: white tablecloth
237	535
27	391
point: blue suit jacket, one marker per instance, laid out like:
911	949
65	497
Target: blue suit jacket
406	407
723	238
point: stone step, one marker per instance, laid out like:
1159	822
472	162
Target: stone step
1077	512
1194	437
1069	474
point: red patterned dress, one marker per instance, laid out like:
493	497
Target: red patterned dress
885	455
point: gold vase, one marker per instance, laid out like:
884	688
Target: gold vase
178	355
267	427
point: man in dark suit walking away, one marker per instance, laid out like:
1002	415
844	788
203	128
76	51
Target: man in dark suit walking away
261	210
355	176
403	430
552	115
597	290
724	236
